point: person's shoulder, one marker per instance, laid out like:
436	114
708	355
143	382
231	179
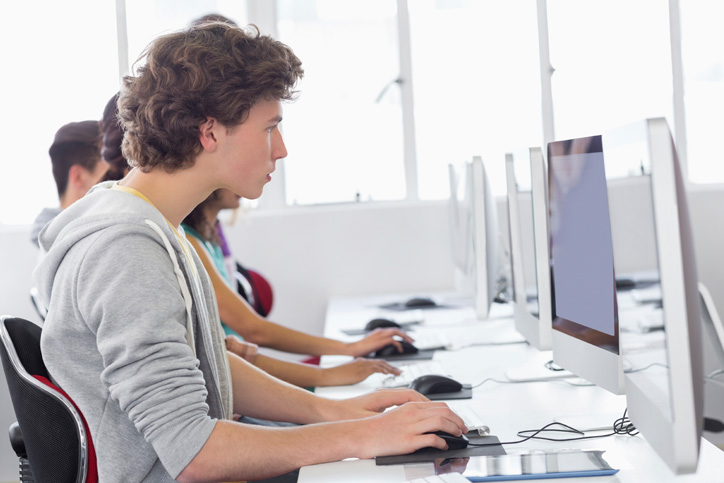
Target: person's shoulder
45	216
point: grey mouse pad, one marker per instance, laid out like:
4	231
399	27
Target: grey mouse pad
419	356
465	393
403	326
494	449
401	307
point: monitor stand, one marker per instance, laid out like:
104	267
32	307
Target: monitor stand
541	369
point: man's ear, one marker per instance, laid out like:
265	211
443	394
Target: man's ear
75	175
207	134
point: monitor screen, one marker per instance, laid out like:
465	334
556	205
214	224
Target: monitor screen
581	244
584	305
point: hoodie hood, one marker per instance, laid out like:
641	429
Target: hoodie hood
101	208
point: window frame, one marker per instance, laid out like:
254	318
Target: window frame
264	14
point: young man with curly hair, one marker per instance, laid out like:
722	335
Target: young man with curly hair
133	333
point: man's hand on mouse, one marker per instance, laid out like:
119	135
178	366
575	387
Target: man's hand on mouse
378	339
403	429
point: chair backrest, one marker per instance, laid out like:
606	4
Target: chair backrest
263	292
54	432
262	298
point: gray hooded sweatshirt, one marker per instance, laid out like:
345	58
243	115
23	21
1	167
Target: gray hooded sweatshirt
131	335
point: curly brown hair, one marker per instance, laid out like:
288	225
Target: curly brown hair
213	70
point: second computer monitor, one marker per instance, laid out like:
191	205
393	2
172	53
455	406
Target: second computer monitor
585	336
475	235
528	223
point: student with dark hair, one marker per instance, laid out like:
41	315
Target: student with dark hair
75	156
112	138
148	368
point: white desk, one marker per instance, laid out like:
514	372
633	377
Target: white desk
509	407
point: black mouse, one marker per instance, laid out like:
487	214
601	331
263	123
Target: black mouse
453	442
435	384
420	302
381	323
391	350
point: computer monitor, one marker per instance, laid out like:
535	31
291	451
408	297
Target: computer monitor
713	327
475	234
664	371
461	227
585	335
528	228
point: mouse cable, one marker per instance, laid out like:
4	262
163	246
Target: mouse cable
622	425
713	374
528	382
552	366
494	380
631	371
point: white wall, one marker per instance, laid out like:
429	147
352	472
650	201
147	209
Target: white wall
310	254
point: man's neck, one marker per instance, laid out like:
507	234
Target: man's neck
173	194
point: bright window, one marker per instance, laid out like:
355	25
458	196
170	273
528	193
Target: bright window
148	19
612	61
702	38
344	132
58	67
476	85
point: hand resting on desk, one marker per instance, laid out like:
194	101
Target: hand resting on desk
355	371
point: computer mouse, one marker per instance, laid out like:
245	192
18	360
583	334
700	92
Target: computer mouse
453	442
381	323
435	384
391	350
419	302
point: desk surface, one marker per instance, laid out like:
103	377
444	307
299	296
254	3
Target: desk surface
509	407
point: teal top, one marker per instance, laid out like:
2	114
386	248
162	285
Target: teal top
217	256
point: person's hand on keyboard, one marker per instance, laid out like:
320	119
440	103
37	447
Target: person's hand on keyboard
356	371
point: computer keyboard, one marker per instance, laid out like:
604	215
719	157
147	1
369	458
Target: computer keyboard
638	346
647	295
443	478
472	419
412	371
653	320
431	340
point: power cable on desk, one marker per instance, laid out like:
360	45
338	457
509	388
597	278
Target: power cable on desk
622	425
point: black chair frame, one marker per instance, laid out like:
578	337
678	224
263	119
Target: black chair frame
53	432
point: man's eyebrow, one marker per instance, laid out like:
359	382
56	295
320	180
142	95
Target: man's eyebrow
275	120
